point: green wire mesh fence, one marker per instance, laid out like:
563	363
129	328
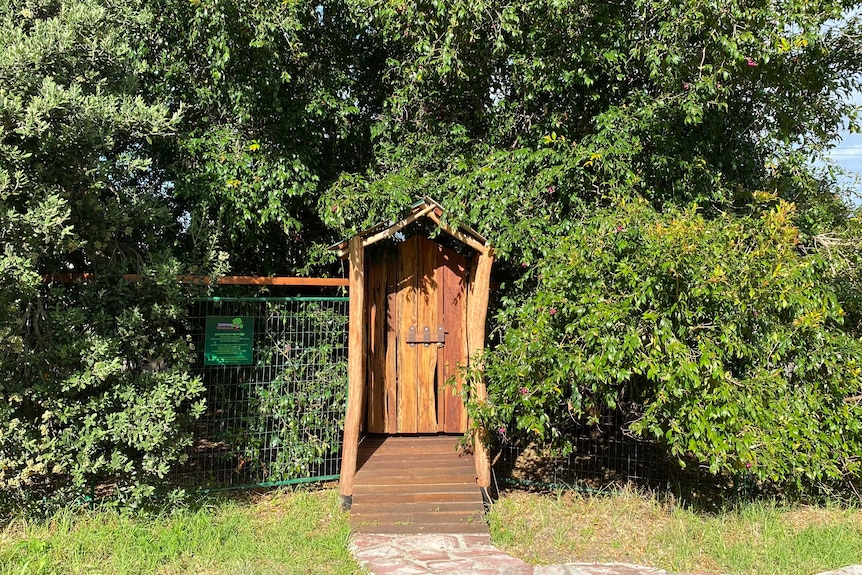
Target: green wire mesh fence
604	456
276	392
275	371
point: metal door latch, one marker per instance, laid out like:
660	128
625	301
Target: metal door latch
439	337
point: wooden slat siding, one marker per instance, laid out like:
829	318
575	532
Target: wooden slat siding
391	381
454	270
376	289
477	314
441	351
428	283
416	485
407	354
356	350
224	280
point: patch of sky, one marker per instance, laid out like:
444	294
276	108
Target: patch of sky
847	153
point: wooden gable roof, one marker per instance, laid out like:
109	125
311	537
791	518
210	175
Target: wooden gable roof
427	208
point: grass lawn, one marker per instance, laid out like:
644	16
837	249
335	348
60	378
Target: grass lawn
281	532
304	532
755	539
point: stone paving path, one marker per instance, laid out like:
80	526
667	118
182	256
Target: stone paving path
475	555
467	554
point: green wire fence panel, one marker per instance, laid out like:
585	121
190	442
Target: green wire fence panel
275	371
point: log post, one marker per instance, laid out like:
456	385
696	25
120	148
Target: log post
477	315
355	371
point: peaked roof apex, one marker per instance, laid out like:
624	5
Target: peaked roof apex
426	207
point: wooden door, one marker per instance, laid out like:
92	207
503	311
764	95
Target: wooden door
417	323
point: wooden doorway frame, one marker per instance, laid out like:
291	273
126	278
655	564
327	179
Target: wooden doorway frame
477	314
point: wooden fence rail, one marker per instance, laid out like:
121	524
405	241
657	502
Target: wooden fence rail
226	280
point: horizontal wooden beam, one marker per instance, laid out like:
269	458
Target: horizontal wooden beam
225	280
283	281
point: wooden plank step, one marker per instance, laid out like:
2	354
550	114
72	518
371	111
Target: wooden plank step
365	488
432	474
414	528
424	518
414	457
367	507
430	497
416	485
411	465
417	457
405	480
413	439
447	451
412	443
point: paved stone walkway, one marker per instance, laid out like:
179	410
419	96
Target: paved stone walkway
475	555
462	554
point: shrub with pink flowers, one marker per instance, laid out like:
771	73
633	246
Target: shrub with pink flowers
724	339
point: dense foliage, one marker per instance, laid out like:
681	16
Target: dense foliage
166	137
93	376
716	337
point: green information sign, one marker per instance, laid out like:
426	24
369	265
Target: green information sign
229	340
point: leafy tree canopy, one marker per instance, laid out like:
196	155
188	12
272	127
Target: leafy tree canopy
522	117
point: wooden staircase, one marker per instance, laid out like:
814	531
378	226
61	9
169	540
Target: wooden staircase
416	484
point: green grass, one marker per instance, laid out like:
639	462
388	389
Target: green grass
754	539
284	532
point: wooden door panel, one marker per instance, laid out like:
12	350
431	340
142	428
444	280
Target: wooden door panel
377	332
454	283
407	358
391	378
426	302
425	286
441	351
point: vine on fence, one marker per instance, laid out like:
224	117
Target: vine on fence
284	415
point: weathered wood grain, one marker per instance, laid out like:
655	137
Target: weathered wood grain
407	361
376	357
355	369
391	379
428	283
454	272
477	315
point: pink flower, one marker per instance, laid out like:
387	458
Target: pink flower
748	465
502	430
524	390
524	264
552	189
620	228
552	311
686	86
750	62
